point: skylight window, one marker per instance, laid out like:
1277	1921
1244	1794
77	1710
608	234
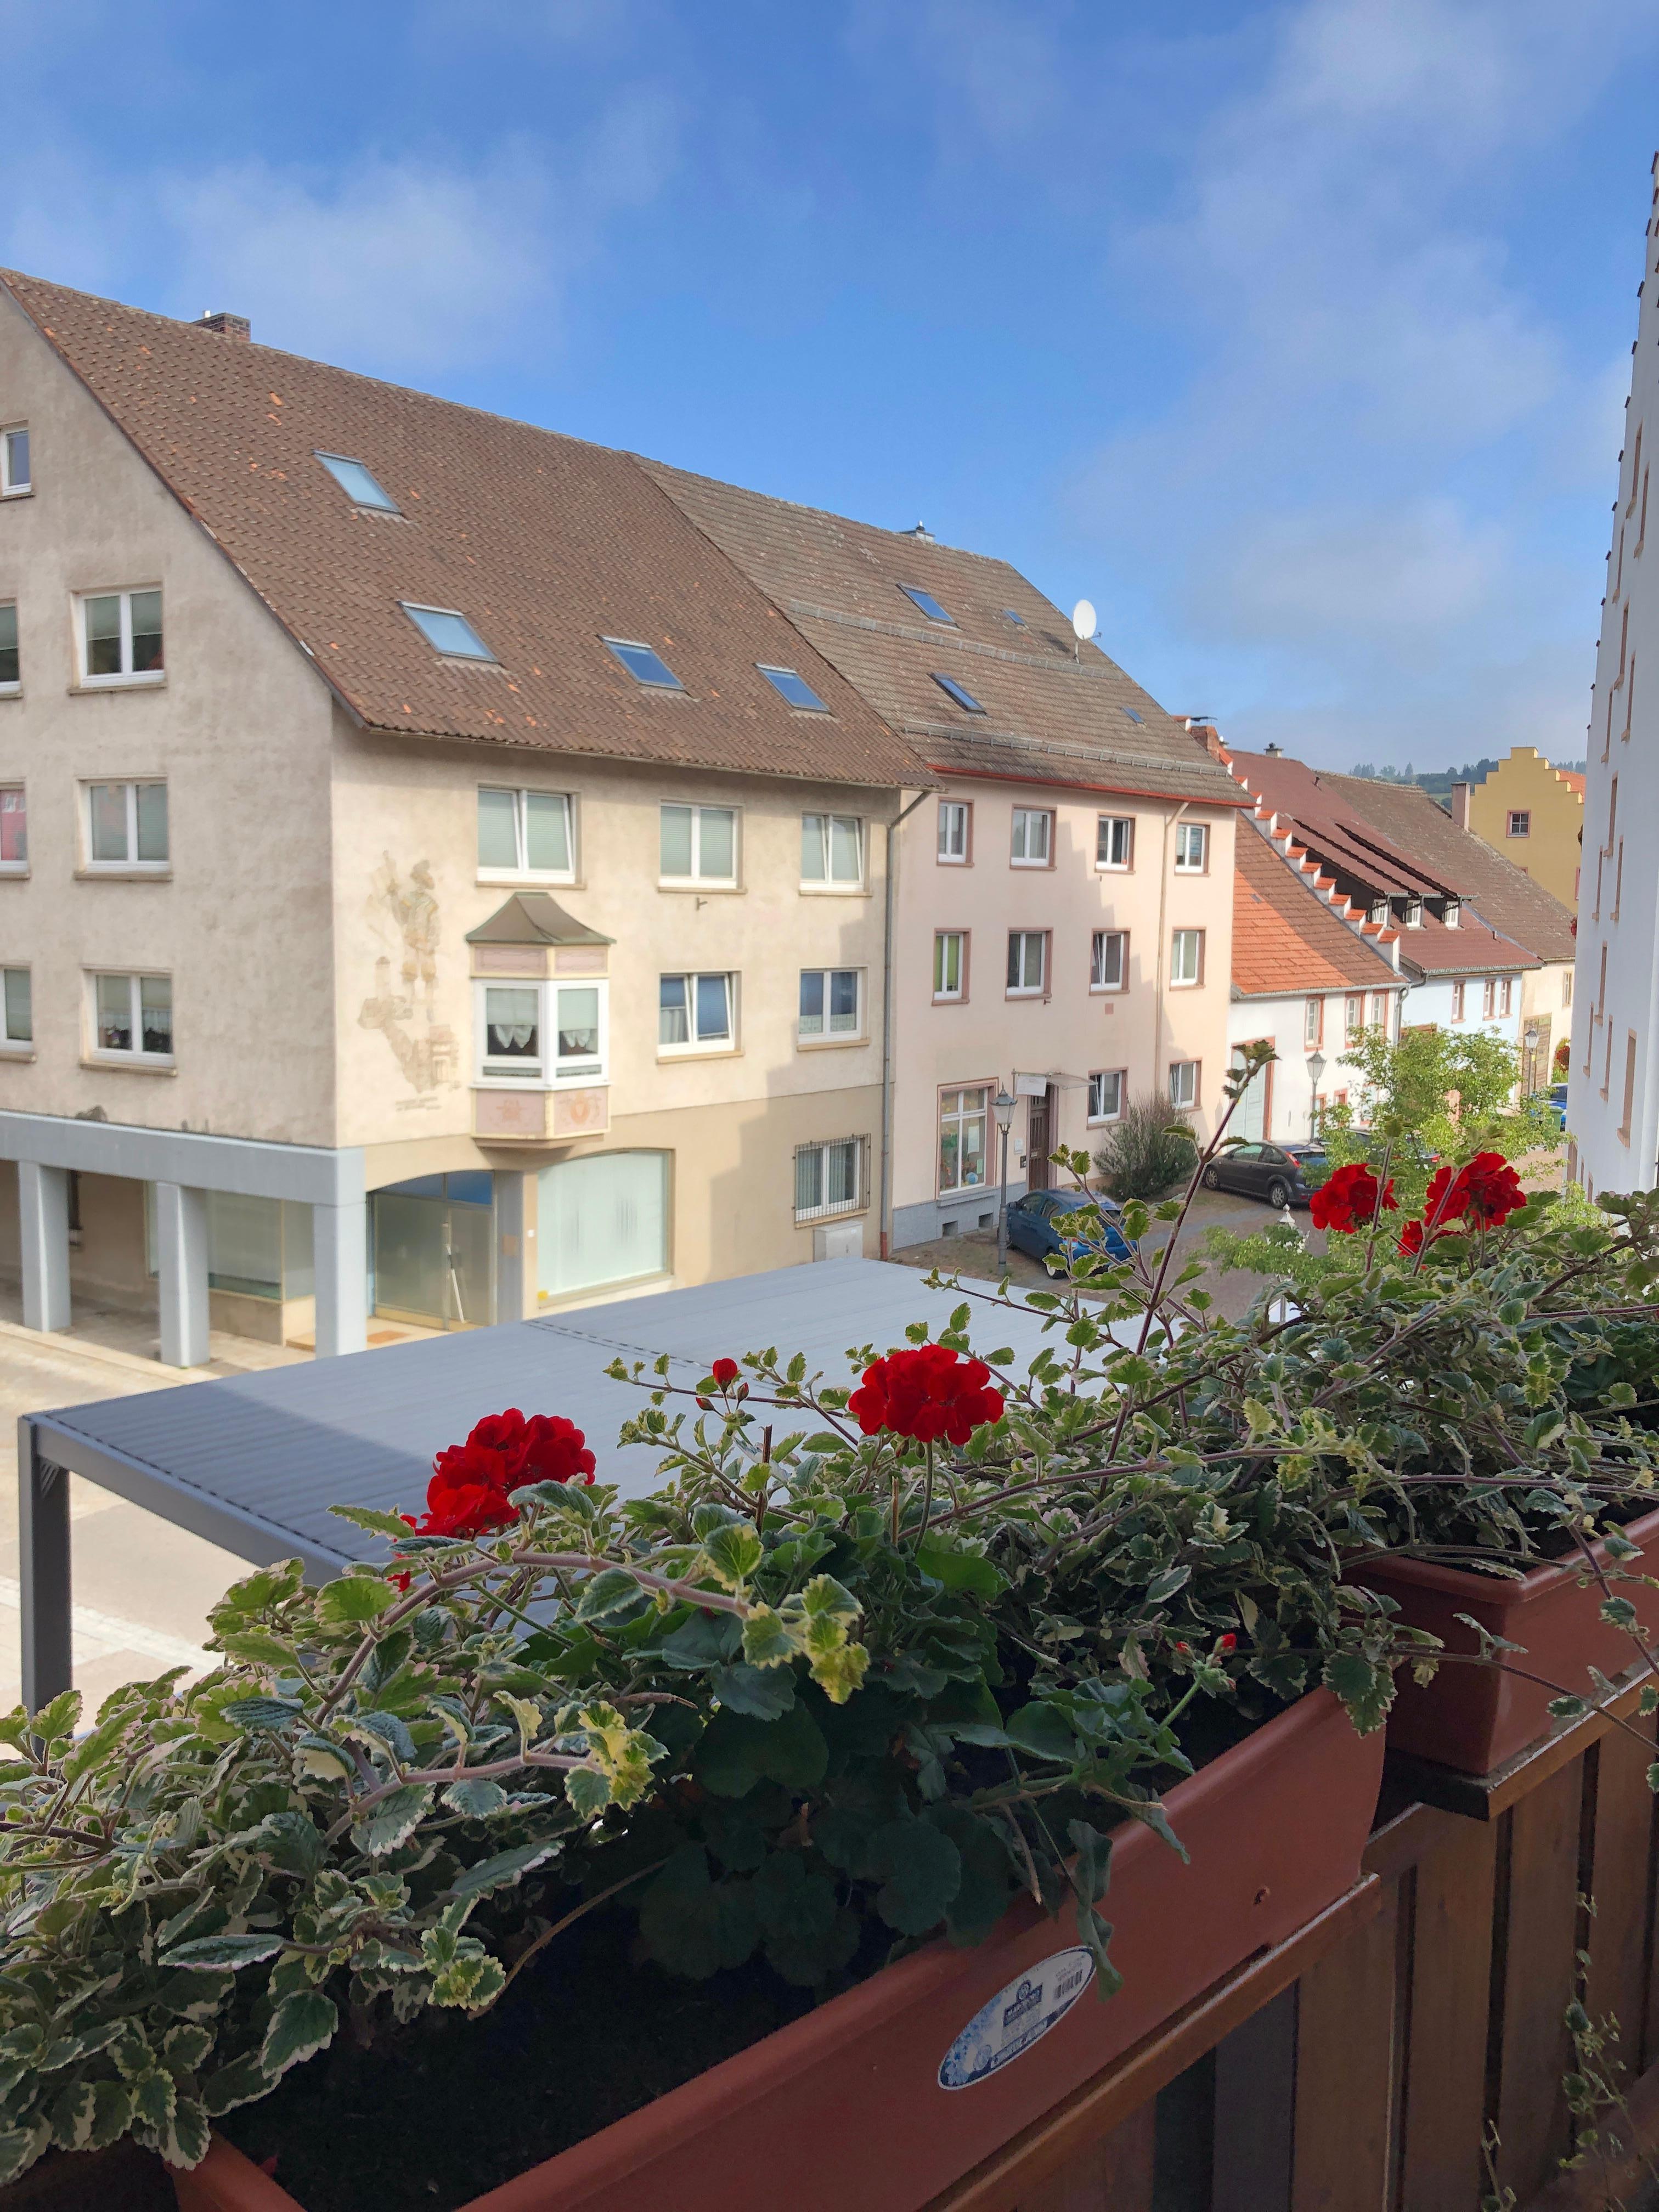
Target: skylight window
929	605
1134	717
644	664
1013	615
447	633
793	687
358	485
963	697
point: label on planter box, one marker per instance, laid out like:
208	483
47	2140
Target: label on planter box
1019	2015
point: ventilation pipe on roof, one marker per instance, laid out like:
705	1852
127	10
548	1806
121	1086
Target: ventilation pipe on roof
922	533
1459	804
1275	752
226	325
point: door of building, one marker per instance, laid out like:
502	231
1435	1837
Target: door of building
434	1250
1250	1116
1039	1139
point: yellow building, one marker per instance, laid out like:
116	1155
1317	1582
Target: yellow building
1533	815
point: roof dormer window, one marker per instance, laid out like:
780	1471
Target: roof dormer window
447	632
1452	913
645	665
928	604
1413	914
361	489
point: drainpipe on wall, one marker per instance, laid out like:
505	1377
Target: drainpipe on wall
885	1228
1163	898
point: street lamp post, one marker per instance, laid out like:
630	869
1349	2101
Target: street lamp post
1315	1070
1529	1076
1004	1107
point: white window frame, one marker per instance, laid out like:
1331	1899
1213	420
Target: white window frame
1098	941
9	487
1506	998
828	885
1313	1024
14	684
856	1034
110	1056
1489	998
1353	1015
1180	981
1191	1072
942	936
1192	836
15	1047
1019	833
961	1118
132	866
129	678
696	878
573	1071
521	872
694	1046
1107	828
17	867
833	1209
1459	999
1023	937
1097	1116
954	815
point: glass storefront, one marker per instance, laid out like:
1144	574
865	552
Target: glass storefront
432	1245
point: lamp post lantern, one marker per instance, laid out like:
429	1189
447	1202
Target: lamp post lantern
1003	1108
1529	1073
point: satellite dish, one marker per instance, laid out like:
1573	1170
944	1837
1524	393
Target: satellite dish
1084	620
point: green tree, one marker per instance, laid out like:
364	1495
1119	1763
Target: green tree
1436	1092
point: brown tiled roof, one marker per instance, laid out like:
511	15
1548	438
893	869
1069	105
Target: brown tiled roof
544	543
1505	897
1394	851
1052	715
1286	936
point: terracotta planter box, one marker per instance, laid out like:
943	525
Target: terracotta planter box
1474	1718
850	2097
122	2178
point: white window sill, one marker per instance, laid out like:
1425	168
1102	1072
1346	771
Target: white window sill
19	871
707	887
953	861
130	1063
1186	983
11	690
117	871
834	890
669	1056
529	879
143	682
27	491
950	998
829	1043
1108	990
9	1050
1038	993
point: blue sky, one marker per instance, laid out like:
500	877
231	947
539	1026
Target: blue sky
1295	336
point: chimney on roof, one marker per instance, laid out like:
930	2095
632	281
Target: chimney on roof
1459	804
922	533
1202	727
1275	752
226	324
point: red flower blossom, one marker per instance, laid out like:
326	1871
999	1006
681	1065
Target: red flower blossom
927	1393
1410	1240
1348	1200
1229	1643
1484	1191
472	1485
725	1372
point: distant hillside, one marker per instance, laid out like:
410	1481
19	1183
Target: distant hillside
1439	781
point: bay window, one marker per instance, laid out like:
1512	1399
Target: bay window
537	1036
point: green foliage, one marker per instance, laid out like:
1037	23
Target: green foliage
1437	1092
1146	1151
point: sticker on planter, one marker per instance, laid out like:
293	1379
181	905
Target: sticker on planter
1019	2015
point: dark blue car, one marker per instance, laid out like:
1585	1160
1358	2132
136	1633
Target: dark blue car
1037	1225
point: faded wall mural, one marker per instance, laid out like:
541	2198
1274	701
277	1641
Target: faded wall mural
402	913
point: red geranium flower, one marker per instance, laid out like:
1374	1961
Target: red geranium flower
725	1372
1410	1240
1228	1643
1348	1200
1486	1190
927	1393
506	1451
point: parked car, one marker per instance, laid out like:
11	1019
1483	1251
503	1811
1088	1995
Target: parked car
1037	1225
1283	1175
1557	1095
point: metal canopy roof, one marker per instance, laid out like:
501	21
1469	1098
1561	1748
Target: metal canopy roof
254	1463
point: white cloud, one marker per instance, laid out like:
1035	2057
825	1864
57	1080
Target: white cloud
1341	488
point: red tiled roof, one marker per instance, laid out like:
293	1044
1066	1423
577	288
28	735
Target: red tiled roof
1285	937
1573	778
544	543
1053	714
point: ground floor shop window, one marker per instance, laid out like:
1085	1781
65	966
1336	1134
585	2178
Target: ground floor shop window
601	1219
963	1116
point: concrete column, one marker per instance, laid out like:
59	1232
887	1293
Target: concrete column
339	1237
181	1245
43	1221
43	1529
515	1267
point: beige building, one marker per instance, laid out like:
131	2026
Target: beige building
434	882
1533	815
1063	900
